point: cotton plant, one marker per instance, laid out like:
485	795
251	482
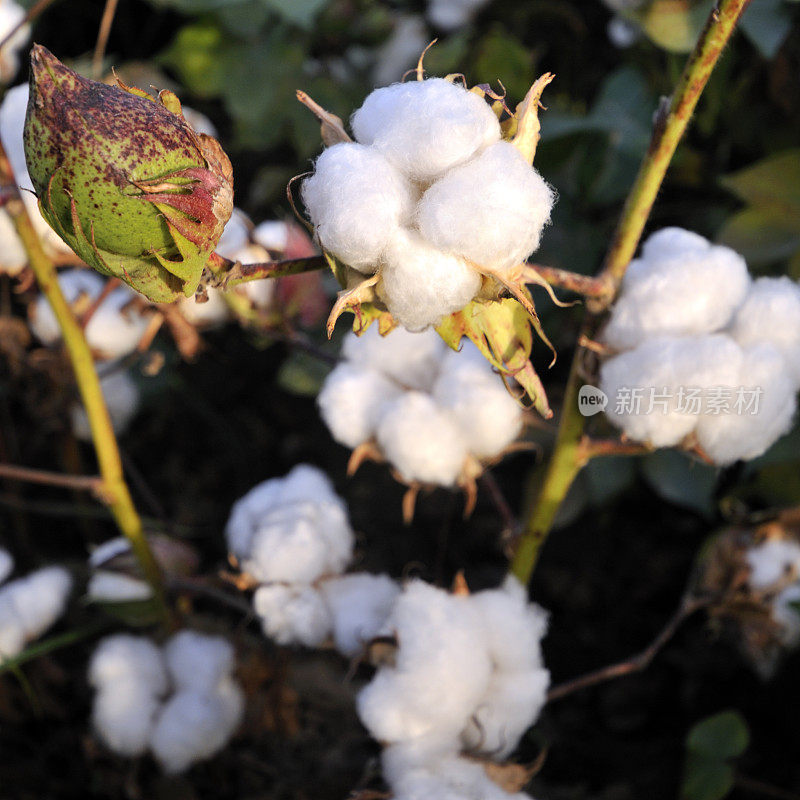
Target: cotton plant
181	701
435	415
703	356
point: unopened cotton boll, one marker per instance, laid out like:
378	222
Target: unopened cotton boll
106	586
441	672
292	614
357	200
126	659
680	286
771	314
761	406
123	715
410	359
198	661
772	561
491	210
359	605
38	599
6	564
421	284
122	401
350	401
425	127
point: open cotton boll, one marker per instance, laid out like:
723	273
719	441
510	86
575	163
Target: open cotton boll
213	313
235	235
771	313
425	127
671	364
442	668
39	599
682	285
737	433
6	564
116	327
421	284
122	401
123	715
359	605
300	542
74	283
106	586
123	659
12	636
199	122
272	234
350	401
198	661
12	123
292	614
490	210
421	440
356	200
409	359
772	561
12	254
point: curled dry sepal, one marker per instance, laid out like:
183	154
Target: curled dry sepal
427	218
124	180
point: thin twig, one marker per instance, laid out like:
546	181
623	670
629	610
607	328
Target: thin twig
592	448
222	273
586	285
510	521
102	38
202	587
90	483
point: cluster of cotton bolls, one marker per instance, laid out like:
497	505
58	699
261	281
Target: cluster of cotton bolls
292	537
467	676
29	605
11	15
428	197
705	351
181	701
429	409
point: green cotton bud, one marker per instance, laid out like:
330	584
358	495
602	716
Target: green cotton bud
124	180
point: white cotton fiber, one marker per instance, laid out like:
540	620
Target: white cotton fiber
74	283
6	564
401	51
421	440
12	254
12	123
442	668
12	636
490	210
772	561
681	285
410	359
38	599
213	313
122	400
123	716
199	121
106	586
125	659
359	605
450	15
300	542
272	235
235	235
198	661
421	284
740	434
785	613
771	313
350	401
292	614
357	200
425	127
669	363
116	326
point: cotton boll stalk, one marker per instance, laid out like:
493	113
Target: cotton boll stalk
359	605
122	400
6	564
490	210
426	127
420	284
211	314
681	286
421	440
197	661
292	614
738	433
75	284
357	200
106	586
771	314
772	561
125	659
410	359
123	715
261	293
39	599
350	401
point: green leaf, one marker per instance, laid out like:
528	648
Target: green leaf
775	179
674	25
722	736
766	23
762	235
194	6
678	479
500	56
706	779
195	54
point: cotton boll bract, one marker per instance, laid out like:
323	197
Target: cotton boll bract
421	440
123	715
425	127
123	658
6	564
292	614
421	284
490	210
122	401
350	401
356	200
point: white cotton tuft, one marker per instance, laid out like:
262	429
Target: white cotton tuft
350	401
441	672
680	286
410	359
12	254
490	210
421	440
106	586
6	564
425	127
739	433
38	599
401	51
772	561
272	235
125	659
292	614
235	235
198	661
671	364
124	715
211	314
357	200
122	400
199	122
12	124
771	314
74	283
359	605
12	636
421	284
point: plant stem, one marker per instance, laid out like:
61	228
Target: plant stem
222	273
568	457
113	490
102	38
90	483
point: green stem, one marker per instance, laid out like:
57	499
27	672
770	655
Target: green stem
113	491
569	456
49	645
222	273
